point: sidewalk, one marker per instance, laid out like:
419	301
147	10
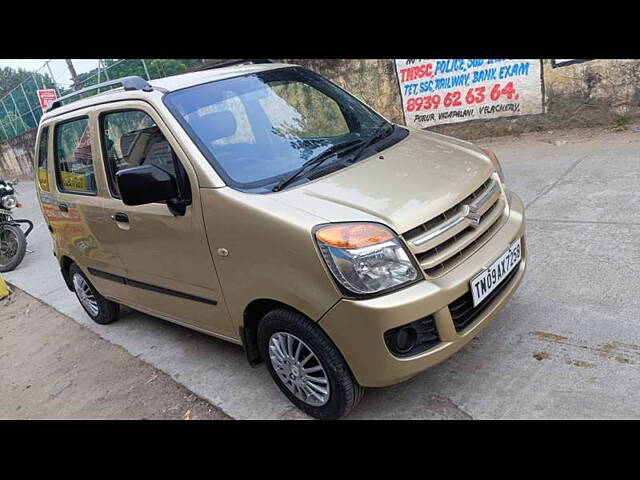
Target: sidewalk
53	368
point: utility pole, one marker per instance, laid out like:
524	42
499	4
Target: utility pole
74	75
53	79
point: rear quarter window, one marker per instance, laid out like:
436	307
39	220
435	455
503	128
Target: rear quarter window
43	152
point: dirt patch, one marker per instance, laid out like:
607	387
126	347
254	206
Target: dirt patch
52	367
567	137
540	355
552	337
625	353
579	363
446	408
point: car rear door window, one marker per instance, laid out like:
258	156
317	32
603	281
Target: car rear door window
73	158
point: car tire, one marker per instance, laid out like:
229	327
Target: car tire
302	382
21	247
100	309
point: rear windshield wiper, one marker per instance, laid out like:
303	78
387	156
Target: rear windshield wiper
378	134
315	162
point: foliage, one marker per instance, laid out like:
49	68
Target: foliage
621	122
10	78
15	109
115	68
24	113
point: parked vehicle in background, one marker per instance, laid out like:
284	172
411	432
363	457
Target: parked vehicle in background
13	240
266	206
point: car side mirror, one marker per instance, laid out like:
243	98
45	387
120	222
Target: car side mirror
146	184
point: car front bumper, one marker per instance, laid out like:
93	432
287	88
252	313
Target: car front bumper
357	327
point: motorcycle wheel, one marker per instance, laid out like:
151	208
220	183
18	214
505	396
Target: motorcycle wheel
13	246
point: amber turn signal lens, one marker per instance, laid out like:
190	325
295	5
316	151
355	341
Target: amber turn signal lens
354	235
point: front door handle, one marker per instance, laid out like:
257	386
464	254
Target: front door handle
63	207
120	217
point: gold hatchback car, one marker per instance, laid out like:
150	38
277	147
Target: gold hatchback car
265	205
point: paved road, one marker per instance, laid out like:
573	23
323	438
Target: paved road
566	346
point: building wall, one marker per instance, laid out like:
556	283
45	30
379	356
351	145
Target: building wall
16	156
590	93
587	93
372	81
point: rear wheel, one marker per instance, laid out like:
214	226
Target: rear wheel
13	245
100	309
306	365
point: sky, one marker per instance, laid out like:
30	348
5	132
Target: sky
58	67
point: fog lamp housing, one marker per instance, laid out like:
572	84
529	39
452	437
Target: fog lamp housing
413	338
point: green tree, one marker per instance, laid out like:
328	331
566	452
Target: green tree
117	68
11	78
20	111
24	113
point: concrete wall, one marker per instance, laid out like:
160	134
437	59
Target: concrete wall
595	92
16	156
372	81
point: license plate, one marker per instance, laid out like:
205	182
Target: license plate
488	280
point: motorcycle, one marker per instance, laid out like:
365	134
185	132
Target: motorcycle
13	241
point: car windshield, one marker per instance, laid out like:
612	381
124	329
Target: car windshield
257	130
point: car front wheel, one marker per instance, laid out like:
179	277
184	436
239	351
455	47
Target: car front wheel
306	365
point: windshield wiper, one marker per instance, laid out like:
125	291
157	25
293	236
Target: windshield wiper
315	162
378	134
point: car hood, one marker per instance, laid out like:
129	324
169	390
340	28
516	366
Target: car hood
403	186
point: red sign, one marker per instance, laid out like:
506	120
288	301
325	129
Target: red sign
46	97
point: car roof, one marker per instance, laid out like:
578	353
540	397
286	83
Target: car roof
167	84
185	80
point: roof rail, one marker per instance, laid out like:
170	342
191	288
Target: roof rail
128	83
229	63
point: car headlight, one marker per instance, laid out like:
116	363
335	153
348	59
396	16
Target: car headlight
365	258
496	163
9	201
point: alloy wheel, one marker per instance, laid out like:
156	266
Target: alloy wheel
299	368
85	295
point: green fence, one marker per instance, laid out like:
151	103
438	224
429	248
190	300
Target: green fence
20	108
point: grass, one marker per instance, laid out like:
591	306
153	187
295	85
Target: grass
621	122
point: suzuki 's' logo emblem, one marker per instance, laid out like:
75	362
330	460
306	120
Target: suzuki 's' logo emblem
471	213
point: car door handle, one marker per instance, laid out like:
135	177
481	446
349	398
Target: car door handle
63	207
120	217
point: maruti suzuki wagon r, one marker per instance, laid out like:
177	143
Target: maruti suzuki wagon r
265	205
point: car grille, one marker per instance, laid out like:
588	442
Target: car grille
446	240
464	313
